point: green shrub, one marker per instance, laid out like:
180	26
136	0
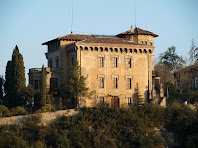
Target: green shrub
4	111
39	144
46	108
192	141
18	111
10	140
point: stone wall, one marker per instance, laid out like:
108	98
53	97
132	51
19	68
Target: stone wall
46	118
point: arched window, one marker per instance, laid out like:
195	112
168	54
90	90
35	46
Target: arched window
150	51
57	62
86	48
50	63
96	48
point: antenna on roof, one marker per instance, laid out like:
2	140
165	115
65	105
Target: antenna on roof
72	17
135	13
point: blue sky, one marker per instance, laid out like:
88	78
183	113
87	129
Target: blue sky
29	23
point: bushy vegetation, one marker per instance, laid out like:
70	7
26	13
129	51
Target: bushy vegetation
108	127
4	111
18	111
46	108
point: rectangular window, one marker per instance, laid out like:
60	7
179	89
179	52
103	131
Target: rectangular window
40	81
72	61
101	99
31	82
128	83
36	84
128	63
53	85
115	82
57	62
129	101
101	61
114	62
50	64
101	82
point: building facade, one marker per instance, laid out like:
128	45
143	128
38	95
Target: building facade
113	65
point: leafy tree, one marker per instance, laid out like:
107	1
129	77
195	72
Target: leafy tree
43	87
164	73
170	59
193	52
1	89
27	97
15	79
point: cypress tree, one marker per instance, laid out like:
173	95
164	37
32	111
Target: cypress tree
43	87
15	79
1	89
8	85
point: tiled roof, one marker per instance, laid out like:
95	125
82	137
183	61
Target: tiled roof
118	39
137	31
96	39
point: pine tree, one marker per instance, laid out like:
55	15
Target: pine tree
43	87
137	97
15	79
76	86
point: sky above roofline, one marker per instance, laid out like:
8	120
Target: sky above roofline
28	24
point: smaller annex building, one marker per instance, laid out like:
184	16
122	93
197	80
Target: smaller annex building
113	65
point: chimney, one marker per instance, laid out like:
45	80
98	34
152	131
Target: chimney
132	29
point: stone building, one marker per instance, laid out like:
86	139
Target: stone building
114	65
187	78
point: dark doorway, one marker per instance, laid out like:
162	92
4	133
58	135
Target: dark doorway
53	85
115	102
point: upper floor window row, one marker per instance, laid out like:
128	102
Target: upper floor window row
146	43
53	47
57	62
114	62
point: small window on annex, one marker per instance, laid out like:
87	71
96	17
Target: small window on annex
36	84
101	61
114	62
128	62
101	99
